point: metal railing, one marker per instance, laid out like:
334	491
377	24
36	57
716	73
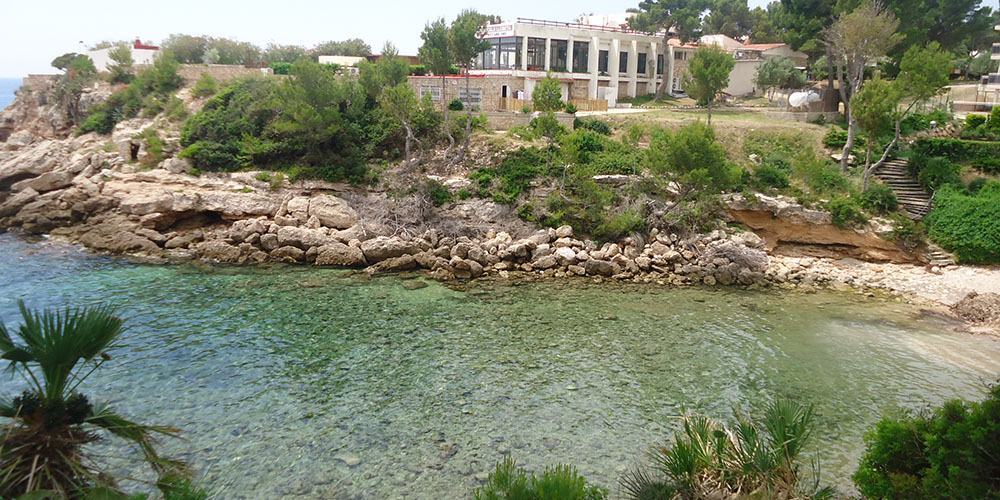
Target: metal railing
591	27
996	48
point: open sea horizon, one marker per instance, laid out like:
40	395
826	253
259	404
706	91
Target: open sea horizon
7	88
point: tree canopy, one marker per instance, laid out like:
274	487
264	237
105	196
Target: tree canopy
710	67
352	47
547	95
683	17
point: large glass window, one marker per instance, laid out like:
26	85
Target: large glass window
641	61
602	62
504	53
559	51
581	56
623	62
536	54
659	64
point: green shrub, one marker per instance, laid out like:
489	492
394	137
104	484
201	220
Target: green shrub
512	177
835	138
570	108
694	158
769	143
456	105
548	126
439	193
770	176
879	198
557	482
281	68
846	212
917	122
621	161
975	185
619	226
205	86
973	122
994	121
938	172
968	225
526	109
906	233
600	126
175	110
418	70
989	165
211	156
154	147
822	177
956	150
147	94
952	453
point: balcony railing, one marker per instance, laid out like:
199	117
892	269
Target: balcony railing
591	27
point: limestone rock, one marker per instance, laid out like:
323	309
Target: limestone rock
339	254
49	181
596	267
288	253
219	251
332	211
176	165
302	237
381	248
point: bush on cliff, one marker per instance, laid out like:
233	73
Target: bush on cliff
952	453
326	126
152	88
968	225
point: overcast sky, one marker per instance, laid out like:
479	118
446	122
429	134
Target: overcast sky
36	31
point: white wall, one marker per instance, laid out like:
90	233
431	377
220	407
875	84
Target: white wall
139	56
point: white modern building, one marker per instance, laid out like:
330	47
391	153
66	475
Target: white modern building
141	55
600	58
592	61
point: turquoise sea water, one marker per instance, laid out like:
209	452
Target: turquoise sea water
278	374
7	88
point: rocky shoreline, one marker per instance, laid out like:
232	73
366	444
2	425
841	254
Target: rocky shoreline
82	190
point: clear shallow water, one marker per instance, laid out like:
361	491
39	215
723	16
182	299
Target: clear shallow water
273	372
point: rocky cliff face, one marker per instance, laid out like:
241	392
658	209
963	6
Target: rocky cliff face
791	229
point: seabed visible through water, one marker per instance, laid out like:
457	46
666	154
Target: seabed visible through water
300	382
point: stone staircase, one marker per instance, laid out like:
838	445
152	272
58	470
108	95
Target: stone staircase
912	197
939	257
915	202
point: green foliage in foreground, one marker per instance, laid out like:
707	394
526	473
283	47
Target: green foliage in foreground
957	150
50	424
968	224
751	459
952	453
557	482
880	198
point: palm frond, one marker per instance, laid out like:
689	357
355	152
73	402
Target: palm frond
57	341
141	435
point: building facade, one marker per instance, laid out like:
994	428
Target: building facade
592	62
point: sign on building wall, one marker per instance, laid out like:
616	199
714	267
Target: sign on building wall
499	30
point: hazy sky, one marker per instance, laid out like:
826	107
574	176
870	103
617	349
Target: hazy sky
36	31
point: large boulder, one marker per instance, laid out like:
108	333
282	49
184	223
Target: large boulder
748	258
332	211
601	268
303	238
176	165
381	248
49	181
218	251
339	254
